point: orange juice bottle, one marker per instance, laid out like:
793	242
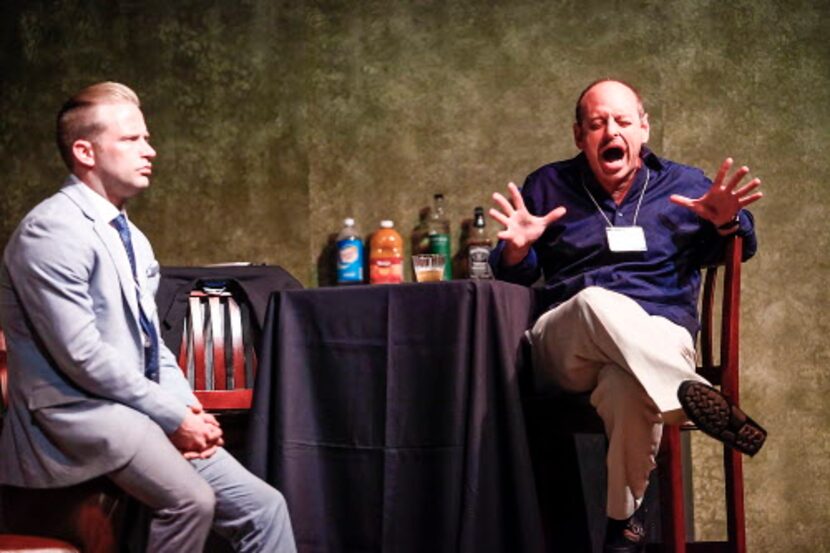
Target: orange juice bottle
386	255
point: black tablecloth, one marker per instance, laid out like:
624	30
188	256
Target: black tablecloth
390	417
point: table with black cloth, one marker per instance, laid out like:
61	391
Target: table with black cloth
390	417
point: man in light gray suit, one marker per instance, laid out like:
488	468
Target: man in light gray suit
93	390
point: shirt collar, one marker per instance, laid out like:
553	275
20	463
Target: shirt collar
651	159
102	206
588	179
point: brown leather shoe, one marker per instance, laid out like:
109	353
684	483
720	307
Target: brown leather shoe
715	415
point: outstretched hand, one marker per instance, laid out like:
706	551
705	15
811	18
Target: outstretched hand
723	201
521	229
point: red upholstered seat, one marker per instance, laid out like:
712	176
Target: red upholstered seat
87	514
14	543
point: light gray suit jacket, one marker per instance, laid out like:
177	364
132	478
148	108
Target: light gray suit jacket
79	400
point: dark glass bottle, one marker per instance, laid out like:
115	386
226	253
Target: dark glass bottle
479	246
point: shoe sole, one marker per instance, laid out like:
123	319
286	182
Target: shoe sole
715	415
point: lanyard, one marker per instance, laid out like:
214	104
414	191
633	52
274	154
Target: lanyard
604	216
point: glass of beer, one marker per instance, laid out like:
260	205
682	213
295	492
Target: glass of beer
428	267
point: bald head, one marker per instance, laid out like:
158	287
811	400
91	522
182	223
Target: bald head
580	111
611	129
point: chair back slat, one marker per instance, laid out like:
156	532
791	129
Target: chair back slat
218	380
215	353
707	325
4	374
192	353
237	347
723	371
730	320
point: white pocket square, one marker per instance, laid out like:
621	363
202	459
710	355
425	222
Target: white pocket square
153	269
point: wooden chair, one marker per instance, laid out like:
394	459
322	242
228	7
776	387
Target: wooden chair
87	516
572	414
216	357
723	372
14	543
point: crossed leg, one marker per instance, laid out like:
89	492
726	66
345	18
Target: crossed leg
633	363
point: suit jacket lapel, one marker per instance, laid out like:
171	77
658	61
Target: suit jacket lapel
112	243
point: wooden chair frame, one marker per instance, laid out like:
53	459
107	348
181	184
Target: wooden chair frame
218	374
725	373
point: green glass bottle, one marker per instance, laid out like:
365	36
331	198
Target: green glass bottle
439	234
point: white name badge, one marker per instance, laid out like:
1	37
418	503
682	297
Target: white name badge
626	239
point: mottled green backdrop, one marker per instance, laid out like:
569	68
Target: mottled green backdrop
274	120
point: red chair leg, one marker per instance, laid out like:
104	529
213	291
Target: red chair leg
735	525
671	491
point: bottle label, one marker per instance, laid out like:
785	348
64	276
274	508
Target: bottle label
440	243
386	270
479	257
350	261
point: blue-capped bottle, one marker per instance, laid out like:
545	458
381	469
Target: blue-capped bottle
349	254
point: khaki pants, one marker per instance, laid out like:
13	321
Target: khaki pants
633	363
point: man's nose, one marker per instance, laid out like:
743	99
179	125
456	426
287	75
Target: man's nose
149	151
611	127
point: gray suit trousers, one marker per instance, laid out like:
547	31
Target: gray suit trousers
187	498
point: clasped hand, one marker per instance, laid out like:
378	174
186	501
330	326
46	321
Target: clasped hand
199	435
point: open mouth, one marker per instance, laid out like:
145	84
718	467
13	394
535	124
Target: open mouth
614	153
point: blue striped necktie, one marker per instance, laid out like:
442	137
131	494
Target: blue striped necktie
151	344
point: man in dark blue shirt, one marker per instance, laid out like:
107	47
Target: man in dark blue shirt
619	236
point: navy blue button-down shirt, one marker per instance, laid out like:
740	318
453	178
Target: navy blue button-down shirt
573	252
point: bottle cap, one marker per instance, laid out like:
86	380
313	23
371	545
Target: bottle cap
438	196
348	221
387	223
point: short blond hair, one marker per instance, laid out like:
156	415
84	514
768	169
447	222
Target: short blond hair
76	120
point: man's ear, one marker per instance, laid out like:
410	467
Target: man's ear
83	153
578	137
645	127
